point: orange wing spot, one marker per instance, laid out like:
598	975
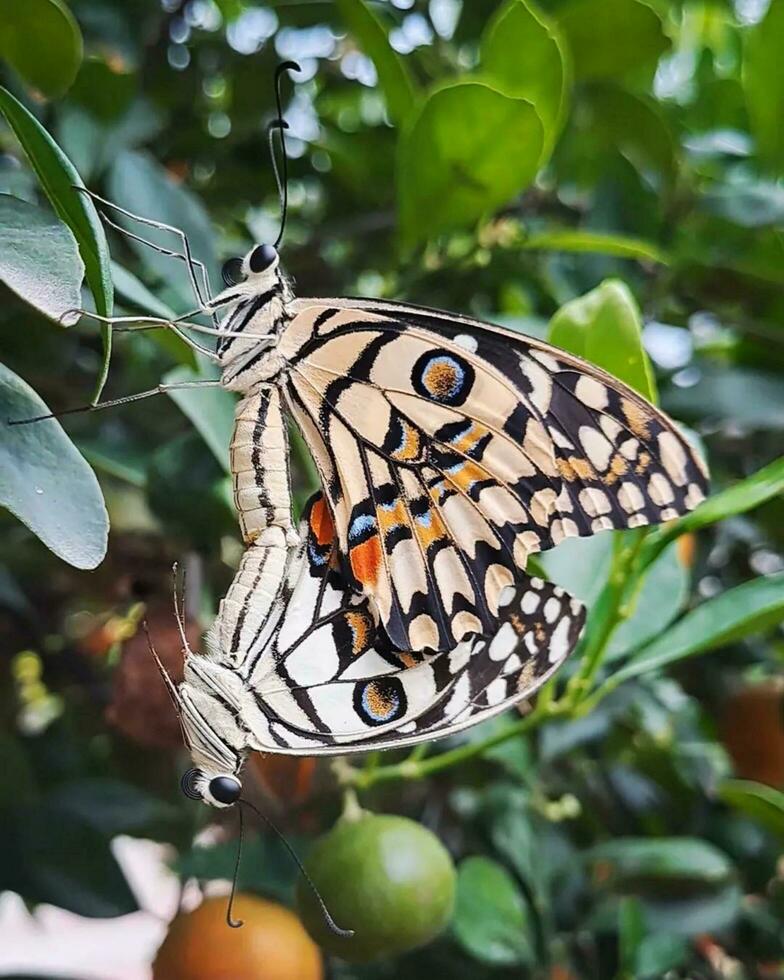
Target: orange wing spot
392	516
366	561
440	379
574	468
471	439
637	417
359	624
411	446
428	528
468	474
321	522
618	467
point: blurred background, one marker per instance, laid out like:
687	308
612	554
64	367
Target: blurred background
606	170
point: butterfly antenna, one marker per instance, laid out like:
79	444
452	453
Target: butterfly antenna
280	124
230	920
333	926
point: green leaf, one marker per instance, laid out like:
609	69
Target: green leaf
657	954
51	856
42	41
453	163
58	178
756	800
523	55
111	806
744	496
45	482
635	126
596	242
634	864
491	916
134	292
394	78
612	38
39	258
605	327
763	85
664	593
747	609
140	184
211	410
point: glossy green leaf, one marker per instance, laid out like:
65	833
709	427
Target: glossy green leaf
59	178
657	954
44	480
39	258
740	498
523	55
636	126
54	857
605	327
747	609
141	185
595	242
211	410
758	801
42	41
133	291
394	77
664	593
453	163
491	916
612	38
763	85
634	863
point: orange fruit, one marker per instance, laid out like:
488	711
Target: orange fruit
271	945
752	730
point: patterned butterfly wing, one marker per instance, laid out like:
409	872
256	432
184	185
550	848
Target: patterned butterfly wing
451	450
327	680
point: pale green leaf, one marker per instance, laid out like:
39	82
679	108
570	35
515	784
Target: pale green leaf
39	258
454	158
751	608
44	480
394	78
42	41
59	180
523	55
605	327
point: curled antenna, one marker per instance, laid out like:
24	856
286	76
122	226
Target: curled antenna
280	125
333	926
230	920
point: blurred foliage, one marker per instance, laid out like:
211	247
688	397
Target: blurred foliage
607	170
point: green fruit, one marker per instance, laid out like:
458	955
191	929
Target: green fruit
387	878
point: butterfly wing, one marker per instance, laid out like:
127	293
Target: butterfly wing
451	450
328	680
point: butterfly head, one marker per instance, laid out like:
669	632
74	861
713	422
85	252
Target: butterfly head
217	789
253	271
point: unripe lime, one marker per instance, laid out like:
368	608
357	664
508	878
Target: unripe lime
271	945
387	878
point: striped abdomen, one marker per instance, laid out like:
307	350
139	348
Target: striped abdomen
260	465
245	614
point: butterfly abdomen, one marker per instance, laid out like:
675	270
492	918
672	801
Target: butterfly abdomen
260	465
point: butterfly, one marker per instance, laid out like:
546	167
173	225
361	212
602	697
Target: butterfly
449	451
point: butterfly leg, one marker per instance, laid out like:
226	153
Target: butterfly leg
143	322
200	291
124	400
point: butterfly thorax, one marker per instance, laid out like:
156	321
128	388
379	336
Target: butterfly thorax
256	315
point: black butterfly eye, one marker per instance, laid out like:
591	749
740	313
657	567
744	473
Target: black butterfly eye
232	272
225	789
188	784
262	257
